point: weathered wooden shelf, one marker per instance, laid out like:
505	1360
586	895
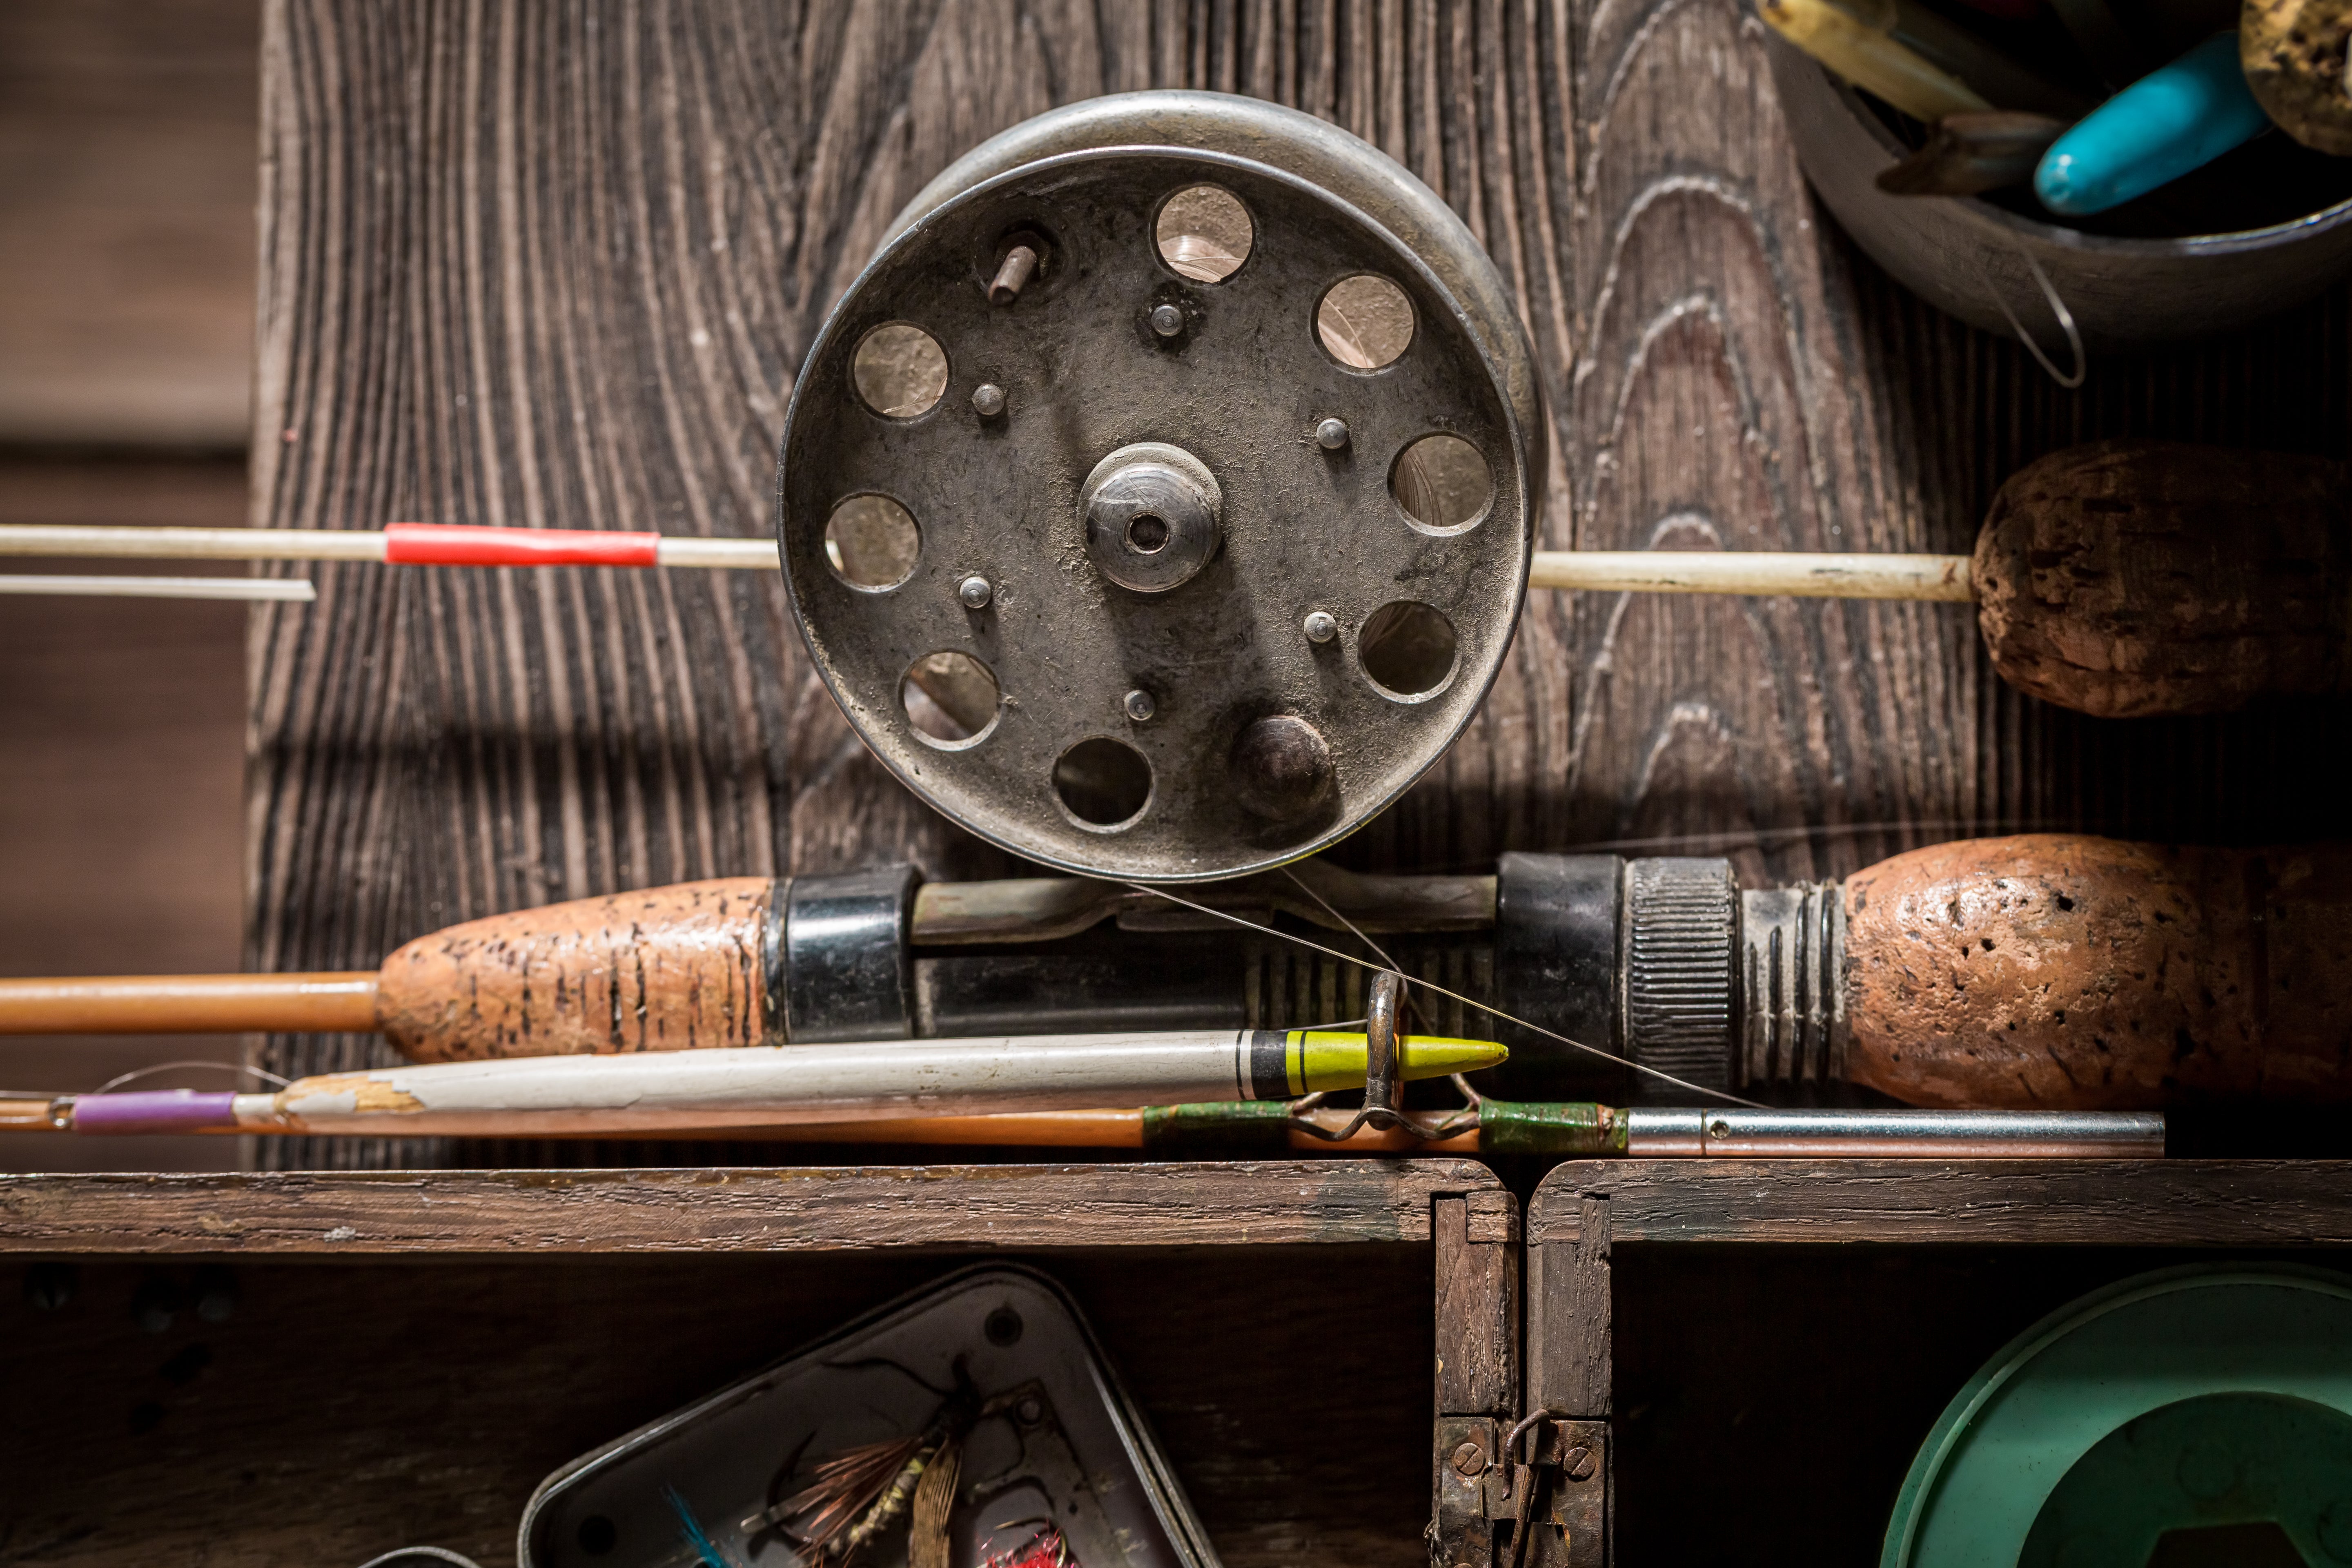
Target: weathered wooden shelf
558	1213
410	1353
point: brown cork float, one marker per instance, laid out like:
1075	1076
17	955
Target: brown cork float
2294	52
2127	579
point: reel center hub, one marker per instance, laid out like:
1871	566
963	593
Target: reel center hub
1151	516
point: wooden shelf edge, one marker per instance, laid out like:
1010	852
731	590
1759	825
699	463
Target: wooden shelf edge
2084	1202
764	1209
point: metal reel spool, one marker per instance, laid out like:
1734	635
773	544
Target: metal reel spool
1201	542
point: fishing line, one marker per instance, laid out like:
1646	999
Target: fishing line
1377	951
1766	838
1471	1097
135	1074
1454	996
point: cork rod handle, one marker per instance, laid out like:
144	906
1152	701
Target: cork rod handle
2057	971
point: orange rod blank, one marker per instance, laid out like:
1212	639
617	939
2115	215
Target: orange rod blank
326	1003
1019	1130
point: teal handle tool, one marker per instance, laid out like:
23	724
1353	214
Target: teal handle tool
2175	118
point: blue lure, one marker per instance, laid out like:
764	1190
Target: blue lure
2177	118
706	1549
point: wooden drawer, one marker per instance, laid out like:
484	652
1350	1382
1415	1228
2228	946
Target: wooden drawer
1760	1347
408	1354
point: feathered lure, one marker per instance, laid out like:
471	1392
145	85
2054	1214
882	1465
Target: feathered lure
857	1494
1046	1549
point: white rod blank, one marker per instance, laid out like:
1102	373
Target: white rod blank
719	555
1797	574
873	1080
282	590
192	544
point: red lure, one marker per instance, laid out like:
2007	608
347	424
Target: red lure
1045	1550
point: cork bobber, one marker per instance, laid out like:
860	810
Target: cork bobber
2294	52
2127	579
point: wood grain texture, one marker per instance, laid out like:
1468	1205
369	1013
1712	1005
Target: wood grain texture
558	267
1478	1311
1744	379
344	1409
799	1209
1571	1312
1928	1203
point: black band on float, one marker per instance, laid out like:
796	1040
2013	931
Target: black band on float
1269	1064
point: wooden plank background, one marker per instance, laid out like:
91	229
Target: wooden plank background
556	265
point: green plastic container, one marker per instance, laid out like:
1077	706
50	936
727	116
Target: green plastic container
2200	1409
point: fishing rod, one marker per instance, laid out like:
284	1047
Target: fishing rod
1257	1129
2225	604
2036	971
1010	1094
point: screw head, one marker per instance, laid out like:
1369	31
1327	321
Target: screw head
1139	706
976	591
1469	1459
1578	1464
1718	1127
988	400
1331	435
1166	321
1031	1412
1321	626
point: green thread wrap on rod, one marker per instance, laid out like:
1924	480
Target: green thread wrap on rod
1261	1127
1543	1127
1249	1128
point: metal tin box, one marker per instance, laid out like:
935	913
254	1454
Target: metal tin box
1067	1447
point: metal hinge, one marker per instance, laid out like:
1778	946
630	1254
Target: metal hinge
1553	1486
1462	1535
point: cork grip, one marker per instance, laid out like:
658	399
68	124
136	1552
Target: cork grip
661	970
2129	578
2052	972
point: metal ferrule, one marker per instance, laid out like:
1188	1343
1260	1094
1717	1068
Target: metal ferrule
1681	938
1791	984
839	966
1741	1134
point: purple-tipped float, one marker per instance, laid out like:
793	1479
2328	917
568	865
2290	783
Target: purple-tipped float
156	1110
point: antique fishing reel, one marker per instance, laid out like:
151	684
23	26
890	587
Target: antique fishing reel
1157	504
